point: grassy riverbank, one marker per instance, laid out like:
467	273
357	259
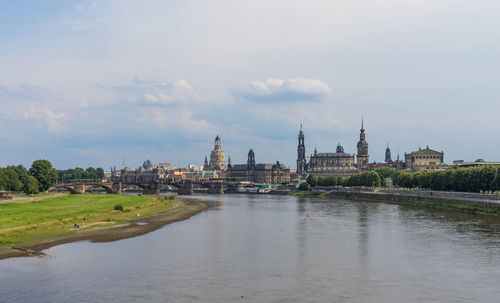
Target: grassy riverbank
52	218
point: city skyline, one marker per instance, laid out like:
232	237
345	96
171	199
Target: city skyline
88	83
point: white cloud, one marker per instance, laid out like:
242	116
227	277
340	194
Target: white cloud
293	89
45	117
181	119
144	92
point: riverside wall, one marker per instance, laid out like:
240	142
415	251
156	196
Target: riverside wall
459	203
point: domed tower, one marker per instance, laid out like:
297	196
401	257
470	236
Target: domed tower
301	153
251	160
362	156
340	148
217	157
388	155
147	165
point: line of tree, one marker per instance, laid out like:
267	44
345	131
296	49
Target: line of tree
368	179
79	174
40	177
469	179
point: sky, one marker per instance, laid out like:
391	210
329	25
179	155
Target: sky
90	83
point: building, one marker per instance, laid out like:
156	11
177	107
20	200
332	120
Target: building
165	166
362	156
424	159
199	176
301	154
193	167
388	159
338	163
259	173
478	162
217	157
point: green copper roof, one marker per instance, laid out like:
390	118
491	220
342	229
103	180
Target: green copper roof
339	144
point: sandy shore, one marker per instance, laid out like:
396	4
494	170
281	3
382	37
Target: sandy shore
186	209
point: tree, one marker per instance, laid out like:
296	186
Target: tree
45	174
2	181
303	186
312	179
11	179
100	173
30	185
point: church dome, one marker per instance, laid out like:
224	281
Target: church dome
147	164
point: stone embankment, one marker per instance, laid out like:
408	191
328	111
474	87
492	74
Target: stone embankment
457	201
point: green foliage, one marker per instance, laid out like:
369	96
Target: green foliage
470	179
78	174
387	172
43	171
369	179
312	180
30	185
328	181
303	186
118	207
2	180
11	179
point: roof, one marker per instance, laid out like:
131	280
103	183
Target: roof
260	166
425	151
239	167
332	155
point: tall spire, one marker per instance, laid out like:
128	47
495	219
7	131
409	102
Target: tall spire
362	127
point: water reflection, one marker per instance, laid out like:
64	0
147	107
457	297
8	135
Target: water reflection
266	249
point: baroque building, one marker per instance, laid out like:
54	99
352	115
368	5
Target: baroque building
259	173
338	163
217	157
424	159
362	156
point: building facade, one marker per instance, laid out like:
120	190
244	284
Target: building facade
478	162
338	163
301	154
217	157
425	159
259	173
362	156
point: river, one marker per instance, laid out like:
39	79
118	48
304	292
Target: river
265	249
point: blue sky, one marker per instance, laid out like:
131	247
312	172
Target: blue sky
88	83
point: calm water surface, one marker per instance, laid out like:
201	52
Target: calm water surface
265	249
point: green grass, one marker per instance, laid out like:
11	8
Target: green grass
20	222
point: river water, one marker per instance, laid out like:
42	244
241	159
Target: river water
266	249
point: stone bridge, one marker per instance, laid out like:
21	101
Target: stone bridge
151	188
